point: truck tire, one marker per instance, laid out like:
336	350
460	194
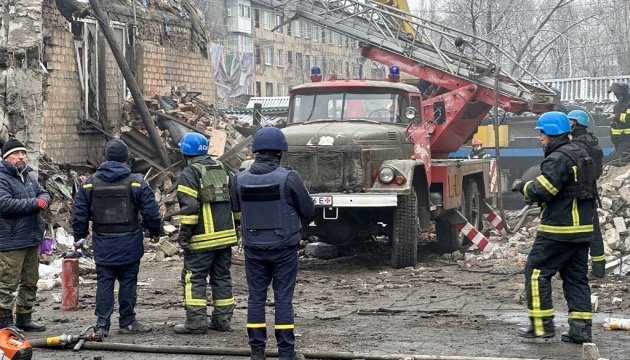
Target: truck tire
405	232
471	204
448	238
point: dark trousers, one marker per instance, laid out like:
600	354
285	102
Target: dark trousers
621	154
546	258
277	267
597	243
197	267
127	276
19	270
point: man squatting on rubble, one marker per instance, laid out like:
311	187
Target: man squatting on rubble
207	234
21	230
579	123
273	202
565	191
620	124
114	199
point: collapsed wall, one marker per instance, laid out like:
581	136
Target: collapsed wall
21	74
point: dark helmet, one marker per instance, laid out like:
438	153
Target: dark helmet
193	144
619	88
553	123
269	138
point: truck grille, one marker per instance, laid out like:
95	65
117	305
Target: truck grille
328	169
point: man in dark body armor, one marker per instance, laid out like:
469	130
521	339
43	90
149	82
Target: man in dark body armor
579	123
565	190
115	200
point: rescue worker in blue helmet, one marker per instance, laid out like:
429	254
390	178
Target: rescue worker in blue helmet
206	234
579	133
114	200
273	203
565	190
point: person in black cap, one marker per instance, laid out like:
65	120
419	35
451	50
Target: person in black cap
21	230
114	200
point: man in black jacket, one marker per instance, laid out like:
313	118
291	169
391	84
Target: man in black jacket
21	230
565	189
579	123
273	203
115	200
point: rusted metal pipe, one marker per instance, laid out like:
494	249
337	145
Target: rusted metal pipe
190	350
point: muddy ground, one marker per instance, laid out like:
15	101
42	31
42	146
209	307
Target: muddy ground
360	304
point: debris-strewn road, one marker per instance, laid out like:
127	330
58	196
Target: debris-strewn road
440	307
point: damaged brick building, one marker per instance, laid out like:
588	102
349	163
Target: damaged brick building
60	86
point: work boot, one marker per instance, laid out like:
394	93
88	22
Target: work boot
221	322
135	327
184	329
296	356
599	269
529	333
579	332
258	353
6	318
25	322
103	333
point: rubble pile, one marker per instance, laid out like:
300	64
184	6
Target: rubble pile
180	112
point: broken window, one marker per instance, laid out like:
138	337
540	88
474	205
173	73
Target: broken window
257	54
257	18
93	72
268	89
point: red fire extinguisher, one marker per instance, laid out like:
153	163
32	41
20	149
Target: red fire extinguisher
70	278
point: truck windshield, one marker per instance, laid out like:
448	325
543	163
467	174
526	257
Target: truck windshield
346	106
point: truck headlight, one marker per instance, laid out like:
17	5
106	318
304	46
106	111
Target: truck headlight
386	175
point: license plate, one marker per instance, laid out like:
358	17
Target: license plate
322	200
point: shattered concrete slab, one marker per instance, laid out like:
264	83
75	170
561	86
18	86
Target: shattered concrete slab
21	24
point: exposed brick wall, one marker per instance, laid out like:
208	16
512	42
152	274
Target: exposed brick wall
62	107
160	68
166	56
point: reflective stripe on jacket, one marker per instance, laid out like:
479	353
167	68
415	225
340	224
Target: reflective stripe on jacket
210	224
563	218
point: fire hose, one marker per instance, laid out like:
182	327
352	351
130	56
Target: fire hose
189	350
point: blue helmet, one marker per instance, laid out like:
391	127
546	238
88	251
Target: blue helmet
269	138
581	117
193	143
553	123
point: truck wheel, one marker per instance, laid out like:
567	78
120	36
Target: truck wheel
405	232
471	204
448	238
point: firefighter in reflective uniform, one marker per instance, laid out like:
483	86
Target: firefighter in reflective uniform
207	234
579	123
565	192
273	203
620	124
114	199
477	151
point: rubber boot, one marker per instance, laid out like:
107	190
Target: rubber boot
529	332
221	322
599	269
6	318
196	322
580	331
25	322
296	356
258	353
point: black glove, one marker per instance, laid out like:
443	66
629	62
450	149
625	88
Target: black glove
518	185
183	242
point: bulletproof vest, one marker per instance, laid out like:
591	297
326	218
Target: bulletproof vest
267	220
113	210
586	184
214	183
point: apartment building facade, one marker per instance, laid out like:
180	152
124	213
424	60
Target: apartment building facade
285	51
